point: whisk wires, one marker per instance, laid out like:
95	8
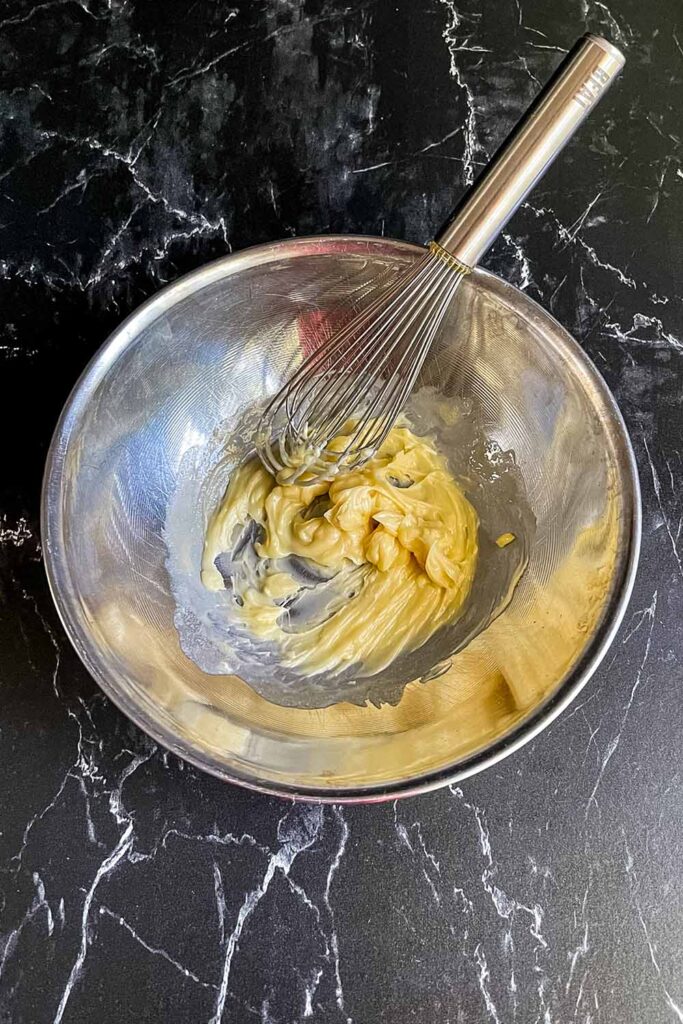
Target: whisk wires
356	383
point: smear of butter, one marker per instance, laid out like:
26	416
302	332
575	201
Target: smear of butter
401	516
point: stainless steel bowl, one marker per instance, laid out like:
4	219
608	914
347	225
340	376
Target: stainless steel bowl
219	340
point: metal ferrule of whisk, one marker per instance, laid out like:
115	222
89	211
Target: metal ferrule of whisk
335	411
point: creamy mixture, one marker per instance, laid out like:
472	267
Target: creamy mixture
353	571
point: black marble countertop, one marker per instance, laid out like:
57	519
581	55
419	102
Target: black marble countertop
141	138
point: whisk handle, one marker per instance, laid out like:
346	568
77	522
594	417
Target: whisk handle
567	99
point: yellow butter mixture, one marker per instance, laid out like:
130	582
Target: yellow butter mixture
353	571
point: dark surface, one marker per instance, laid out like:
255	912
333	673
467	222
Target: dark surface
141	138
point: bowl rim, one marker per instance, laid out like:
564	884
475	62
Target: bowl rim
51	526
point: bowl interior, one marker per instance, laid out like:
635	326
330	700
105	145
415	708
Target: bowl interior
201	353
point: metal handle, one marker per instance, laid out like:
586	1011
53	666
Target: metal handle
579	82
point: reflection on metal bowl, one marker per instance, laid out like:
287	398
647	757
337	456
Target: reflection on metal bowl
217	342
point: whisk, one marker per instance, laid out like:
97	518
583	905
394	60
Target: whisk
336	410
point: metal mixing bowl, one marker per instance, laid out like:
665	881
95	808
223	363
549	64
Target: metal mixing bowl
219	340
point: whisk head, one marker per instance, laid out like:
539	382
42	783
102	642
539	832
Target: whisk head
338	407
